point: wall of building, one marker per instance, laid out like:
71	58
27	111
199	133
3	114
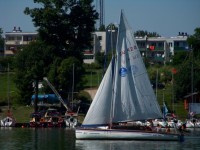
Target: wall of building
16	39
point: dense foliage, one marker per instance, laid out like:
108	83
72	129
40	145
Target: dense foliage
187	78
142	33
31	65
64	29
66	24
1	40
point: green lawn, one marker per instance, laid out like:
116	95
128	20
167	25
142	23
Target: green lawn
93	78
166	95
7	89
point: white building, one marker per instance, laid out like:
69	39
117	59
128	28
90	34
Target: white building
16	39
157	49
99	45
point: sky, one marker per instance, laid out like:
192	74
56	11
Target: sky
166	17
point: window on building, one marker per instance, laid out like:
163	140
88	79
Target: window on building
152	43
170	44
88	56
29	38
10	38
160	44
176	44
12	48
100	38
19	38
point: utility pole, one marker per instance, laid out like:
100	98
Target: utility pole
192	75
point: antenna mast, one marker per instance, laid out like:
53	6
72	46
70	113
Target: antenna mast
100	9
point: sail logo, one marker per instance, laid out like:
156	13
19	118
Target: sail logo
130	49
123	72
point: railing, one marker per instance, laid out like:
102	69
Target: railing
155	49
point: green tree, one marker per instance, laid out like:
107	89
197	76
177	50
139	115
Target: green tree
180	57
62	72
66	24
143	33
4	61
1	41
194	42
185	71
102	28
31	65
70	67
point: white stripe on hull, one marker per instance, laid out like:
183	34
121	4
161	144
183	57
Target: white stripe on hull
111	134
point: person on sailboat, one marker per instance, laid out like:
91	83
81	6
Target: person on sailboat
158	128
151	123
151	126
167	129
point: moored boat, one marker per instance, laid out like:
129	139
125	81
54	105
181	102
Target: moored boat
119	134
71	119
125	94
8	122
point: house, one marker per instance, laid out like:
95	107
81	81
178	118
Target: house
155	49
16	39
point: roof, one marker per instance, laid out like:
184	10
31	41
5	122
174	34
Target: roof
21	33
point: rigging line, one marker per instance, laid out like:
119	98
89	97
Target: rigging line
184	62
140	74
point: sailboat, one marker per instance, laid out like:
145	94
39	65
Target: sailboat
124	95
9	120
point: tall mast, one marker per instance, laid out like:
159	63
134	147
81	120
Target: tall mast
73	88
192	76
8	87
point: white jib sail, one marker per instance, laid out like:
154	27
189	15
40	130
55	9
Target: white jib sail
99	111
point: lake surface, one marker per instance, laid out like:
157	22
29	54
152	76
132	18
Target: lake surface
64	139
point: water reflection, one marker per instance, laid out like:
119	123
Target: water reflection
36	139
191	142
125	145
64	139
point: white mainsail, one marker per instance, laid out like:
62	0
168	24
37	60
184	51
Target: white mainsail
132	97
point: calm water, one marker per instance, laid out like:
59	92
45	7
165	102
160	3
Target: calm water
64	139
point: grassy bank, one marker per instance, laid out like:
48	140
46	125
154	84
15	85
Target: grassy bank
92	79
8	91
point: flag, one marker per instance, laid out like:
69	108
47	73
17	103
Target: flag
165	110
174	71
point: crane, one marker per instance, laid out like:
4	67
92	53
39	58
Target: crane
57	94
